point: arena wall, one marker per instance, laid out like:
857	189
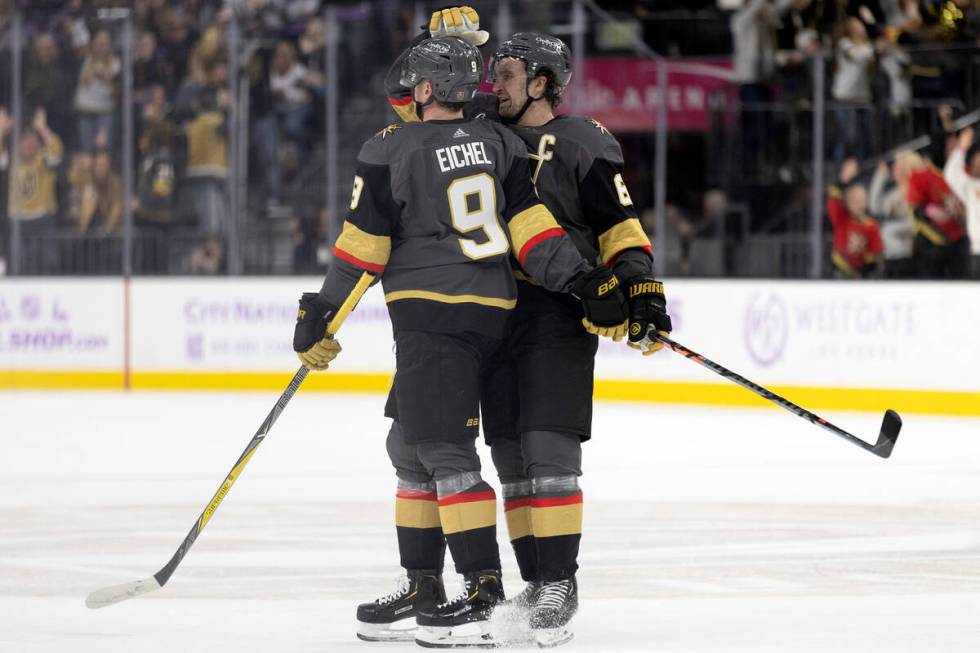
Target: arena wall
914	347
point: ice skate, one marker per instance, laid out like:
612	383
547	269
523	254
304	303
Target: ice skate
463	622
554	606
391	618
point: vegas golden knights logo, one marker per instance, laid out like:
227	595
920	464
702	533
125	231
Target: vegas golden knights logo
390	129
598	125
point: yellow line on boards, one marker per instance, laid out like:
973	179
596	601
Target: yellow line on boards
934	402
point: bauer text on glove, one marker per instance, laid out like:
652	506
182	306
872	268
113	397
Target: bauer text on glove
606	311
311	342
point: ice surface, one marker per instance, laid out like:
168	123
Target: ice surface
706	529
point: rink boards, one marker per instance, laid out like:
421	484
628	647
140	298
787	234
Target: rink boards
832	345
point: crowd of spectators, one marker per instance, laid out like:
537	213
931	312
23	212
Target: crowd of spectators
68	189
884	58
917	217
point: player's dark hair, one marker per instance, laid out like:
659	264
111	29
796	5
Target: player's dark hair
451	106
552	89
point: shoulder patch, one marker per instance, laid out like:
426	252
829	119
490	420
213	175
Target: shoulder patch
598	125
387	131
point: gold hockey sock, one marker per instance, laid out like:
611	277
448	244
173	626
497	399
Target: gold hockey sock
421	544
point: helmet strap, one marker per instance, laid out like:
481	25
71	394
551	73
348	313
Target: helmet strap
527	105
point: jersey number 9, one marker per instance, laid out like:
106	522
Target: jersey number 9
472	206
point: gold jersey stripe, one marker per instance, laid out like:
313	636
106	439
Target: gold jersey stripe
529	223
557	520
519	522
415	513
451	299
406	112
468	516
625	235
364	246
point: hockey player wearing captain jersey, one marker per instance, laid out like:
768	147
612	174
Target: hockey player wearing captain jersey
437	209
535	426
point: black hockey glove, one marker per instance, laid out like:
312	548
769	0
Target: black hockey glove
311	342
603	302
648	314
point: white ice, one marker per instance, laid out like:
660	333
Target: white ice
705	529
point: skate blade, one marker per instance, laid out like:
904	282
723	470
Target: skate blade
402	630
552	637
471	635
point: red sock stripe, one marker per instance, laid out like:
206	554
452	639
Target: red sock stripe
549	502
468	497
513	504
555	232
417	495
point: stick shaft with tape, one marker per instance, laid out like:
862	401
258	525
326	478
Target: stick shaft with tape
116	593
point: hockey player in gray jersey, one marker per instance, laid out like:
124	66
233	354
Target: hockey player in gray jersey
437	210
535	426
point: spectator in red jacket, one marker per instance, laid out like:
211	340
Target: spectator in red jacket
857	240
941	249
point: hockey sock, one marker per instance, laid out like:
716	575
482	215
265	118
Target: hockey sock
421	544
468	512
517	508
556	520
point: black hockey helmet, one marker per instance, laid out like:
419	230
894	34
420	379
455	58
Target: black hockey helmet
537	51
454	67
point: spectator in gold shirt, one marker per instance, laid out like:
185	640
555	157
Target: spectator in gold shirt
33	201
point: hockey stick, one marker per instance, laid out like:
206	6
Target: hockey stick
114	594
890	425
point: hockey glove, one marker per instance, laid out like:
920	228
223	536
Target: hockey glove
461	22
606	311
648	314
311	342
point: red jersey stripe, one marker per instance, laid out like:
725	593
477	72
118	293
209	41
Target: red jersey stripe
554	232
356	262
400	101
646	248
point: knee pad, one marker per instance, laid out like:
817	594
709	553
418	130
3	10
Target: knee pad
508	460
551	453
404	457
446	459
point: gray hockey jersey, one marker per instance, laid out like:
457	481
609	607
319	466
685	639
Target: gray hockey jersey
437	209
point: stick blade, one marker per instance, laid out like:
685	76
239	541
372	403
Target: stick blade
890	426
108	595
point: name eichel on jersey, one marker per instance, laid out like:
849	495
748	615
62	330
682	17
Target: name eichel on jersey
462	155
